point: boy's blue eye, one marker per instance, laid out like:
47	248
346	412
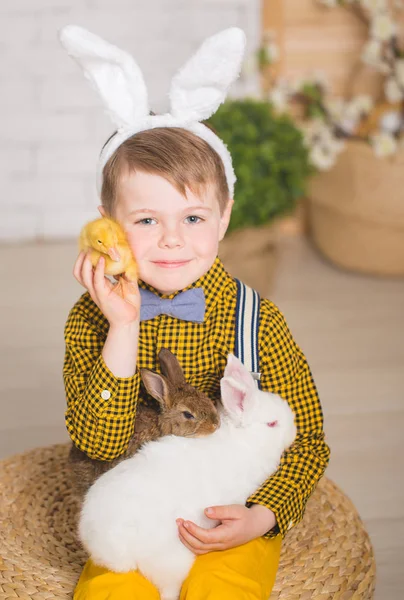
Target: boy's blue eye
193	219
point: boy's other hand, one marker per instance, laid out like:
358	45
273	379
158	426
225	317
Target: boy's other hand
238	525
117	310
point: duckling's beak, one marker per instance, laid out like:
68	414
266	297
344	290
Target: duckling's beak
114	254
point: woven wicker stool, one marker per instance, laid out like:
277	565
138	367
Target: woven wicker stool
327	556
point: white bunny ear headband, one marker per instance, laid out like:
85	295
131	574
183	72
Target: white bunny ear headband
196	92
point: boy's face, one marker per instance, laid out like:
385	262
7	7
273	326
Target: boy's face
174	239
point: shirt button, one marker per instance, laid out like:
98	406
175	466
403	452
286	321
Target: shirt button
105	394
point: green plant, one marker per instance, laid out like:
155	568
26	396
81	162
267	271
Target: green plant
269	158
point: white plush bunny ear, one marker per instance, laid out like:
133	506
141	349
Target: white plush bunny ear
199	88
112	72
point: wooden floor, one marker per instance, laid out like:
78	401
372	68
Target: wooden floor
351	328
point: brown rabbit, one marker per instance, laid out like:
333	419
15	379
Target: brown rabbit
184	411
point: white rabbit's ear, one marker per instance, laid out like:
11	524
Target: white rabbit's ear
199	88
234	395
112	72
235	369
237	386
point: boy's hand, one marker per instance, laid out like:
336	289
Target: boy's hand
118	311
238	526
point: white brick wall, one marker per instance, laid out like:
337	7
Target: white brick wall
53	126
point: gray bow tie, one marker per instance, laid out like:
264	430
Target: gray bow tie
188	305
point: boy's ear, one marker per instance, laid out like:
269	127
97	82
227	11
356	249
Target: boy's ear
101	210
225	218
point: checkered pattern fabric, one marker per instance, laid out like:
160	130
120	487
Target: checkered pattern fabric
101	408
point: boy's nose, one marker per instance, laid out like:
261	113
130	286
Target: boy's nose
171	238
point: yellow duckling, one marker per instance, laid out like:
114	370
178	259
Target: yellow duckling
106	237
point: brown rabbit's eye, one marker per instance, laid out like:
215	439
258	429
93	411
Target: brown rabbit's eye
188	415
99	241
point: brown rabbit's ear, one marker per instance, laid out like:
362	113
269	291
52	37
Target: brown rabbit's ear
156	385
170	367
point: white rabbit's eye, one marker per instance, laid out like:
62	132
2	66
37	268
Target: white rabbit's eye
273	424
188	415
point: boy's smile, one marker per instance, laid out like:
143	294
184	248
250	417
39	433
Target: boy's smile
171	264
174	238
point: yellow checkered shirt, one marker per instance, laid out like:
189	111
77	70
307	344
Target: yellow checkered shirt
102	427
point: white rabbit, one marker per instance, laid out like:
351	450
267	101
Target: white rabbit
128	520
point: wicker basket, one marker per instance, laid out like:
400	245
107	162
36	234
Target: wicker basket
356	211
327	556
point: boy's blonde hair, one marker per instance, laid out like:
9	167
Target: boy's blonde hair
181	157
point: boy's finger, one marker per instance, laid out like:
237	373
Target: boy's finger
78	267
184	541
228	511
194	542
101	283
207	536
99	279
87	276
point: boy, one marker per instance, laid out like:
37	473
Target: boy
169	180
174	222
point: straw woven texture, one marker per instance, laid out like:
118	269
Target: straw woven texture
327	556
357	211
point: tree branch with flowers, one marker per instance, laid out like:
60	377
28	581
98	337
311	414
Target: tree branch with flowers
329	122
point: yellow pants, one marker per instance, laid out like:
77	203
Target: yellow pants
243	573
